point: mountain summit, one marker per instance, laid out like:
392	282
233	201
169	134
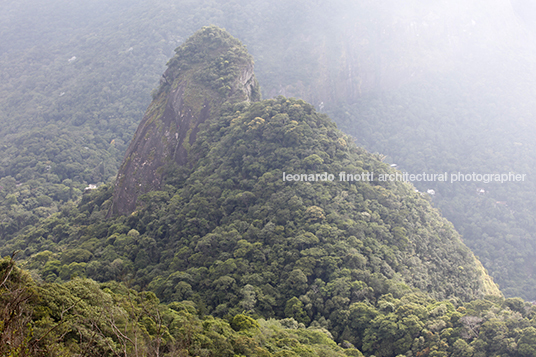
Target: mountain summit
209	69
206	175
241	206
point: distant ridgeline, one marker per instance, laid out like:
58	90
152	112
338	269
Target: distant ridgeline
200	212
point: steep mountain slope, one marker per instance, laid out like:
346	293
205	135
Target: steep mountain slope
234	202
227	231
209	69
461	72
438	87
496	219
469	112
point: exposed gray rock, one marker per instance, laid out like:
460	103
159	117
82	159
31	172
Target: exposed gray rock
187	97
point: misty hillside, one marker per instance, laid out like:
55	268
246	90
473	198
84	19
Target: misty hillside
221	257
221	204
215	256
437	88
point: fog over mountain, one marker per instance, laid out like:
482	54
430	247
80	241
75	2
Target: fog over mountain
143	146
436	87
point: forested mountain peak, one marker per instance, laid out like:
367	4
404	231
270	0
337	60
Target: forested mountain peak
210	68
225	229
215	218
434	86
228	233
207	167
459	71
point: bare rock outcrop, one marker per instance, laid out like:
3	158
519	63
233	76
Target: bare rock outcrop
209	69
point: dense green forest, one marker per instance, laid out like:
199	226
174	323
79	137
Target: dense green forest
76	78
83	317
233	200
495	219
227	259
301	268
228	246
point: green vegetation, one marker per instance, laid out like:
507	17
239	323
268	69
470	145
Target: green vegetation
231	236
233	215
418	100
496	220
226	259
216	58
82	317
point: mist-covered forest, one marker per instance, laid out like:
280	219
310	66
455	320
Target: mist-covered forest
426	87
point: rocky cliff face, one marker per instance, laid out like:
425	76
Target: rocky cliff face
209	69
